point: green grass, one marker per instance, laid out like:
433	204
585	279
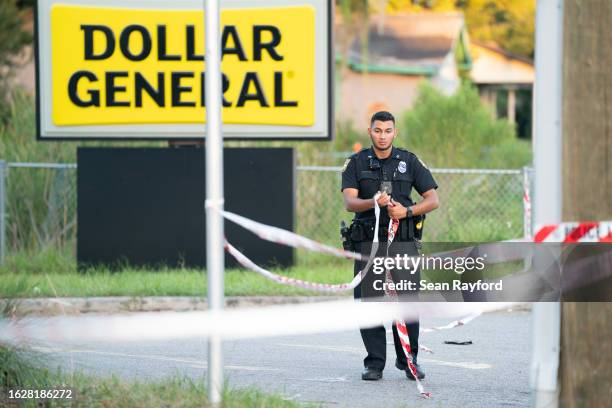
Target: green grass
52	273
24	369
169	282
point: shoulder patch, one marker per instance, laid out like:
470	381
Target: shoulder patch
356	154
345	165
404	154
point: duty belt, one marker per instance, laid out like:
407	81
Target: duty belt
362	229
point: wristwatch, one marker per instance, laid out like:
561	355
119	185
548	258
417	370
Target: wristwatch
409	212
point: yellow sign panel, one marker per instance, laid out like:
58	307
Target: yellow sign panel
113	66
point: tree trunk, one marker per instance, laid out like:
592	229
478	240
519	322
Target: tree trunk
586	328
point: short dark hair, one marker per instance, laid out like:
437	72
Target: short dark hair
383	116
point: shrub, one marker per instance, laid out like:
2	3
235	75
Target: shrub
13	37
458	131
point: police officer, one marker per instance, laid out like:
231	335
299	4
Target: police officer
393	172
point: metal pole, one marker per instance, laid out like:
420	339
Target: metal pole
3	168
214	192
547	145
547	111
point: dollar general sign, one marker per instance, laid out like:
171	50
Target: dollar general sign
136	69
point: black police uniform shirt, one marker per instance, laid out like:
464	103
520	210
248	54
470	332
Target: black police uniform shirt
403	169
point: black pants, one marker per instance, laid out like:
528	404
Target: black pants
375	342
375	338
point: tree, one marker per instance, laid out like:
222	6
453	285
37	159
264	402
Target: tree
508	23
458	131
13	37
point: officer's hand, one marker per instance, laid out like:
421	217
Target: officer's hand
396	210
383	200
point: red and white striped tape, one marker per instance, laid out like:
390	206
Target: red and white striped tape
527	232
452	324
400	324
284	237
285	280
573	232
281	236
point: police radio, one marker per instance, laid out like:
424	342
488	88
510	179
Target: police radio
415	223
345	235
386	187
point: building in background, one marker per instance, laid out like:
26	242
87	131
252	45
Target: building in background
505	83
400	51
385	66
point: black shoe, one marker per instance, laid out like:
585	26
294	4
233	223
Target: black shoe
370	374
420	372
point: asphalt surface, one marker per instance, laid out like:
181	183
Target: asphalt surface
325	368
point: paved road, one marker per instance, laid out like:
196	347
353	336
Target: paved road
325	368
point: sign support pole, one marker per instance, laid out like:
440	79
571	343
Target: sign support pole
214	193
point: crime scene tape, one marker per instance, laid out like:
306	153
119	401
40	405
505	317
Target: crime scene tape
572	232
527	232
256	322
587	270
400	324
453	324
495	255
285	280
284	237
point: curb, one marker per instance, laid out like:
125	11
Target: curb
124	304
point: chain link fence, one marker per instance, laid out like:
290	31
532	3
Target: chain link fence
38	201
475	205
37	206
